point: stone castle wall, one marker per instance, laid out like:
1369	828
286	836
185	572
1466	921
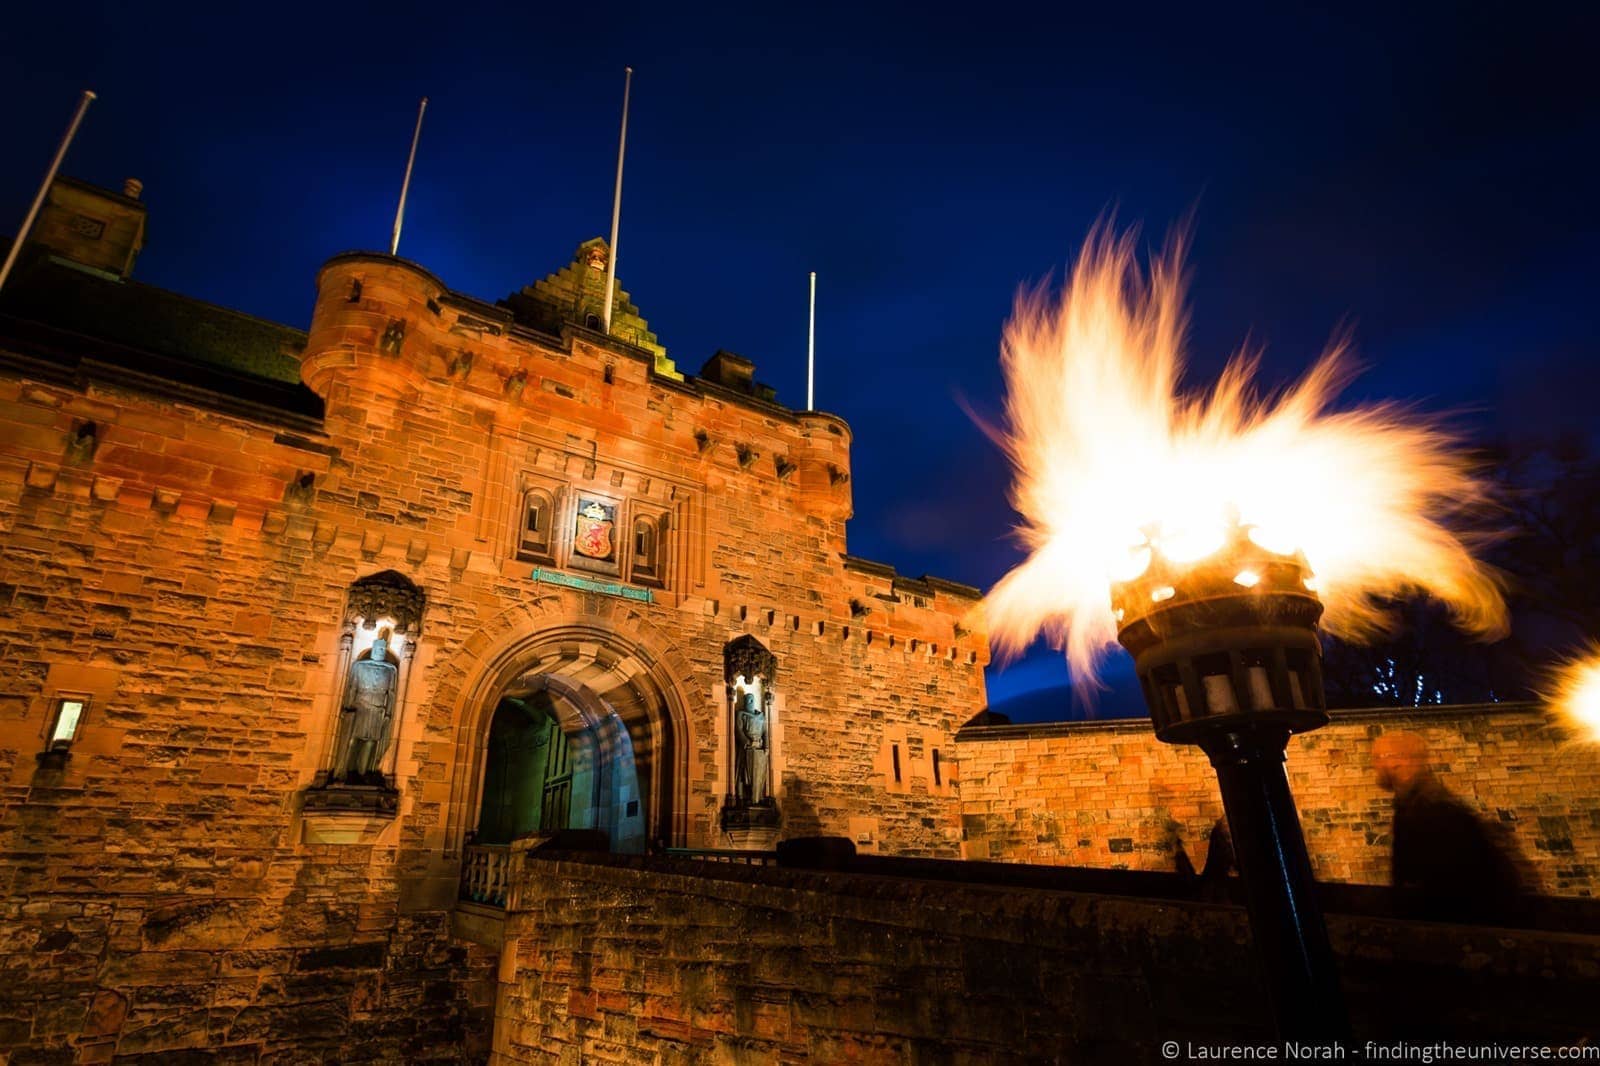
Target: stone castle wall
186	572
615	959
1111	795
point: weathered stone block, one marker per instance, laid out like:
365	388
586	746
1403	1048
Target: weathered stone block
349	957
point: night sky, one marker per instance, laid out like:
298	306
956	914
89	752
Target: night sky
1424	179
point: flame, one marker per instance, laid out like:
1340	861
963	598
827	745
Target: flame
1112	462
1576	696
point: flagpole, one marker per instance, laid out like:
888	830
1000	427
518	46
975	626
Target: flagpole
44	189
616	201
811	348
405	185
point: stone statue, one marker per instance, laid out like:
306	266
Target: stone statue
369	697
752	758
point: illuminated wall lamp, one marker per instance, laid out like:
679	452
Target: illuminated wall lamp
65	721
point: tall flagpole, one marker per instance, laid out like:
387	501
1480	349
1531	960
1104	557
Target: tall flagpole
616	201
44	189
405	185
811	348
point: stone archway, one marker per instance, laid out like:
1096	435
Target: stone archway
618	703
558	756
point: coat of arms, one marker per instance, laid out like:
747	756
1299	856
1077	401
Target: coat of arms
593	536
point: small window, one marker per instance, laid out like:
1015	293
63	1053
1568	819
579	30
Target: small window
648	558
538	520
64	730
894	754
937	779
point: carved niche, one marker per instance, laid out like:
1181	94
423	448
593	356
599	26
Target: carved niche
749	812
382	620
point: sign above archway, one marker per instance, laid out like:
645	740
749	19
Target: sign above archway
589	584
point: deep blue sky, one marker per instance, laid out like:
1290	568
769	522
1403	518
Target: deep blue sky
1422	176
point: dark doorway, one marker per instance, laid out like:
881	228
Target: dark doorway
527	782
550	767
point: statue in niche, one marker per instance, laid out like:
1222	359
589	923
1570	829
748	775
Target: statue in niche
751	761
750	816
368	709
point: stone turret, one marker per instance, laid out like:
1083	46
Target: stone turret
371	327
824	461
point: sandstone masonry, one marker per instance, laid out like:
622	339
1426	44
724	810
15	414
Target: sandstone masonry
1111	795
182	523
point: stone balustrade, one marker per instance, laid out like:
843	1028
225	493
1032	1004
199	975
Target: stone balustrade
484	874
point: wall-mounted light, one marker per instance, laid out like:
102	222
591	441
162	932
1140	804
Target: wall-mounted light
66	719
368	631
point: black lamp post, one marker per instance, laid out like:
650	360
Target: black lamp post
1226	651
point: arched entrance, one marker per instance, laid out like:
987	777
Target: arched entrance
558	757
576	727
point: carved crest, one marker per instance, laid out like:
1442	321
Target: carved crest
592	536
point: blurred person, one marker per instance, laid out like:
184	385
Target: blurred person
1220	862
1447	864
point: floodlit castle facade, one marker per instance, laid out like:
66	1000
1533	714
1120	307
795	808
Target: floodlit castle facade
309	636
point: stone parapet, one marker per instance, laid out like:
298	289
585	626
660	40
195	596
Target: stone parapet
1109	794
619	959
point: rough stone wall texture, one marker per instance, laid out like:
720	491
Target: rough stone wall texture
1111	795
187	575
620	959
181	979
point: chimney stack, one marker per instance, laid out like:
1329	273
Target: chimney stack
91	226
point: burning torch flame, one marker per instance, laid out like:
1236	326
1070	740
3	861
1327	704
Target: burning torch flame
1577	693
1113	462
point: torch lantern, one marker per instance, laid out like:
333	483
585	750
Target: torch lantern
1226	651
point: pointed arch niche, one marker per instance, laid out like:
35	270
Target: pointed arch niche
378	637
750	816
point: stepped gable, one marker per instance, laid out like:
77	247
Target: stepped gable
575	296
